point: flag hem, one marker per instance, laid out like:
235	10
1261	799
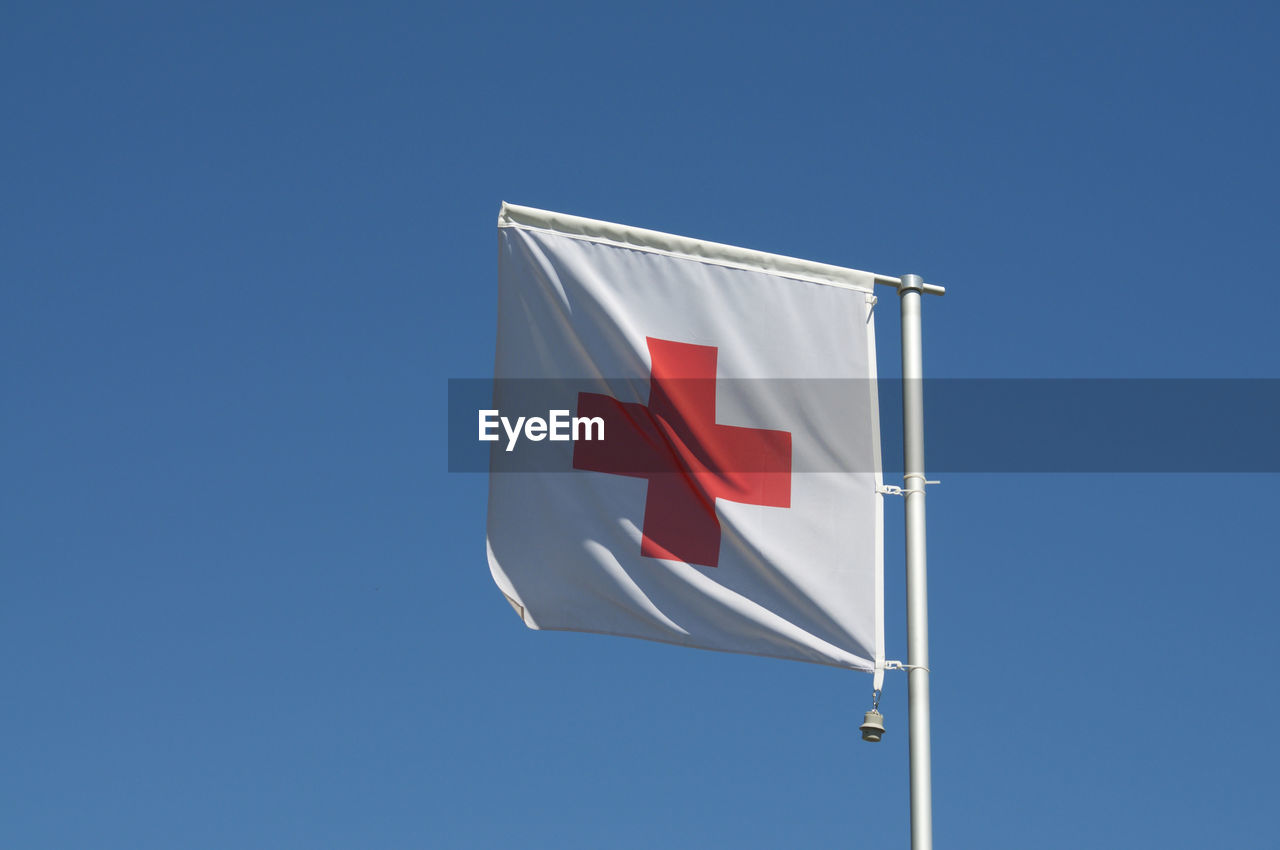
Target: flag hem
878	462
683	247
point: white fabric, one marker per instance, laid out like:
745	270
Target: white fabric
714	252
578	301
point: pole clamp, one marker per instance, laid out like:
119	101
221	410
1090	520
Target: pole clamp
898	665
892	490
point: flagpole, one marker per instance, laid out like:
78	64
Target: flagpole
910	289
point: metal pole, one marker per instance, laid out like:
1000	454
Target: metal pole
909	292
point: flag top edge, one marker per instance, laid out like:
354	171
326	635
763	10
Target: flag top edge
512	215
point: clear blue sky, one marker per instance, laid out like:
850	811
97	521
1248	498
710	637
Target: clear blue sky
242	249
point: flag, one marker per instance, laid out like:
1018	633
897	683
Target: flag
684	443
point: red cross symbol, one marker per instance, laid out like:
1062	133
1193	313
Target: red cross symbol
688	459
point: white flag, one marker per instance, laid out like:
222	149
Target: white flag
685	443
